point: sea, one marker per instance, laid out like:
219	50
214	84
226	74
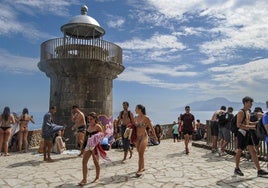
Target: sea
164	118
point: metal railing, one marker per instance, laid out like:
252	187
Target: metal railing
96	49
231	147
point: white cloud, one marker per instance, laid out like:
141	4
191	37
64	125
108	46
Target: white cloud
115	21
59	7
152	75
12	19
17	64
231	24
229	81
157	41
252	72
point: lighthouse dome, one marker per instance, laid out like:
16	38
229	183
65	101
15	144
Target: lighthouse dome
83	26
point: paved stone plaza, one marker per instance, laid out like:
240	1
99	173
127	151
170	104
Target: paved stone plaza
166	165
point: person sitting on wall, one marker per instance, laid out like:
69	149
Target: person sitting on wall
58	144
159	132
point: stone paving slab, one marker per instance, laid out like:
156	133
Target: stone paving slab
166	165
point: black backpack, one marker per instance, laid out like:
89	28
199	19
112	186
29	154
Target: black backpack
233	127
260	130
128	113
222	118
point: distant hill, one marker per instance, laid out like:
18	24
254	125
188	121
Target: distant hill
216	103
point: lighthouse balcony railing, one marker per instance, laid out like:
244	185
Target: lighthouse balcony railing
94	49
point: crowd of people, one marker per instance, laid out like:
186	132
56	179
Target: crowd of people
244	132
137	131
14	130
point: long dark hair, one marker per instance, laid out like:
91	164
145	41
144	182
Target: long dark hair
142	108
54	138
94	116
6	113
24	112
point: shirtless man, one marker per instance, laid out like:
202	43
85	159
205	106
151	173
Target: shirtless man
78	118
124	119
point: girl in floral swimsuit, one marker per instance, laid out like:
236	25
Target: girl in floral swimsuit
6	119
92	148
142	122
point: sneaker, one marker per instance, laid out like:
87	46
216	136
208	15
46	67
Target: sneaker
238	172
262	173
214	150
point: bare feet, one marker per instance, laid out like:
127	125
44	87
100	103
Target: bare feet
49	160
187	151
131	152
123	161
82	183
95	180
81	153
139	172
6	154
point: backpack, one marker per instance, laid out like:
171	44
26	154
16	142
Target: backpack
222	118
233	127
260	130
128	113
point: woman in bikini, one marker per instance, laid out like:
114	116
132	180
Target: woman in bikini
23	133
6	119
142	122
92	147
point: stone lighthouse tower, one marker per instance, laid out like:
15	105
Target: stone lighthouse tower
81	67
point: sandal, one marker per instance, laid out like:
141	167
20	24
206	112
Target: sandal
6	154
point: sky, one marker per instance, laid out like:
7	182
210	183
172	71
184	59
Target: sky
174	51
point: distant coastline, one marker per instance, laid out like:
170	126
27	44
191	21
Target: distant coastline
216	103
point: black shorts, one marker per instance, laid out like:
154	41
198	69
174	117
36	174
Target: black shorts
214	128
126	141
81	128
250	139
189	132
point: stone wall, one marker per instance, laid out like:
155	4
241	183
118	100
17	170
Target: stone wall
34	138
167	130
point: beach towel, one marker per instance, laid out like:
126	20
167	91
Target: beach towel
133	134
14	129
94	143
